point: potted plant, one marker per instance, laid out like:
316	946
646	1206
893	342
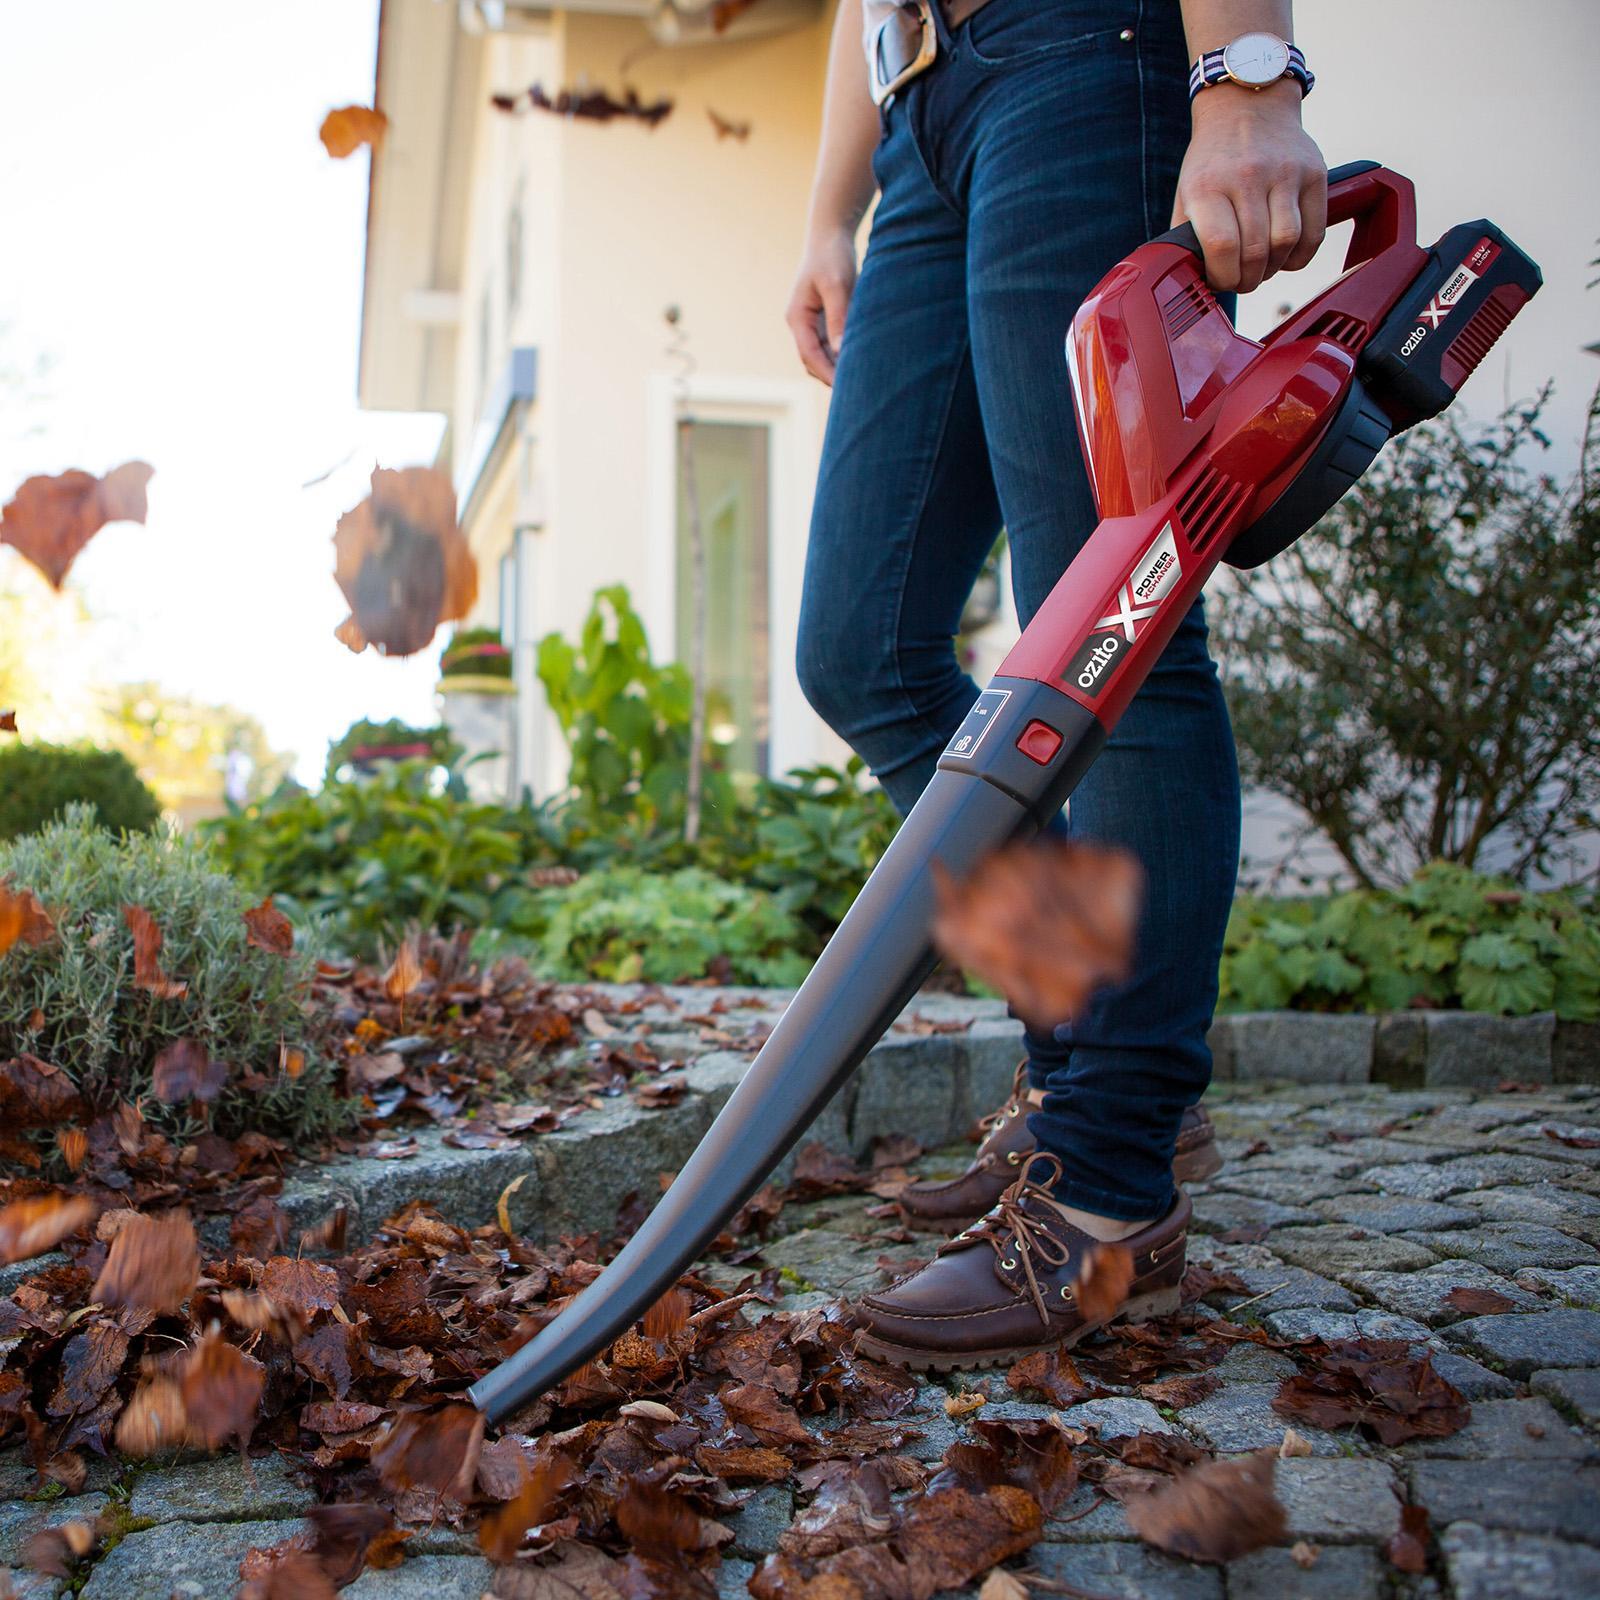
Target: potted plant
478	698
367	745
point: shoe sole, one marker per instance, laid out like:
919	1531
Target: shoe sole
1158	1303
1194	1166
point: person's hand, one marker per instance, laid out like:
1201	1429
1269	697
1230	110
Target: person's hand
1253	183
821	297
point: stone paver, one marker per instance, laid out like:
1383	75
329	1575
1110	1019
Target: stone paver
1558	1498
1424	1296
1522	1344
1487	1564
1340	1572
220	1489
1579	1286
180	1561
1578	1393
1133	1571
1240	1417
1511	1430
1339	1502
1336	1249
1387	1213
1508	1247
425	1578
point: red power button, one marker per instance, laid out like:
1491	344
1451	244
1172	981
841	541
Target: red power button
1039	742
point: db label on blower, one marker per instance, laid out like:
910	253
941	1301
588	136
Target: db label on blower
1137	601
979	720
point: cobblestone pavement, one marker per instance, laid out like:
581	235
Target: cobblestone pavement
1376	1204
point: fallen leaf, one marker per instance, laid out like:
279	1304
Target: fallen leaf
963	1405
30	1227
402	562
648	1411
1047	923
1103	1281
90	1364
22	919
268	929
1304	1554
1294	1444
147	941
1376	1384
1055	1375
502	1531
1477	1302
1407	1548
1003	1585
184	1071
306	1287
595	1023
153	1263
435	1450
50	520
54	1551
1218	1512
344	131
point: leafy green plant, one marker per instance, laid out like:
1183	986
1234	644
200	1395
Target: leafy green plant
39	781
73	1002
1418	674
377	856
623	924
1450	938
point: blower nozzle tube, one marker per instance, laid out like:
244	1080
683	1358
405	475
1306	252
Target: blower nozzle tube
869	971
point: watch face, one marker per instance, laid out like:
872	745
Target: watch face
1256	58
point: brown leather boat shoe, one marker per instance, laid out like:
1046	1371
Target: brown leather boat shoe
1004	1286
940	1207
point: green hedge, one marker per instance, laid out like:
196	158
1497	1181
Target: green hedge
39	781
1451	938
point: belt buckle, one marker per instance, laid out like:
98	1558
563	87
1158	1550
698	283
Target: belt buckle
905	45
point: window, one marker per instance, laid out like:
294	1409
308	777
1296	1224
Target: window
731	470
508	595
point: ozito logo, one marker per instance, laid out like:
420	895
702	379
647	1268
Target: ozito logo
1449	297
1089	669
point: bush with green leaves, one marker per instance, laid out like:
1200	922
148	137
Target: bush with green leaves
376	856
1450	938
623	924
39	781
439	743
72	1000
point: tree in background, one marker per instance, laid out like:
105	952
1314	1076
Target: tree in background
1419	674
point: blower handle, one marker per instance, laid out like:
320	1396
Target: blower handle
1384	203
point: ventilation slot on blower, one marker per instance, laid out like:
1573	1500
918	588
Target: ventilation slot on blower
1206	505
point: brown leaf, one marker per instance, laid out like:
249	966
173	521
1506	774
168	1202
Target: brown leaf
1294	1444
50	520
1003	1585
654	1519
1407	1548
1046	923
435	1450
502	1532
1103	1281
55	1551
284	1571
185	1071
402	562
342	1536
404	974
147	941
22	919
1304	1554
154	1420
1055	1375
268	929
39	1223
305	1287
1476	1302
91	1362
1376	1384
963	1405
344	131
1032	1455
153	1263
8	721
73	1143
221	1388
330	1233
34	1094
1218	1512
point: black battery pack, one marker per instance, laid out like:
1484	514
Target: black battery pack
1475	282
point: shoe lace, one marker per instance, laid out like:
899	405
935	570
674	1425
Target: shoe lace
1018	1236
989	1123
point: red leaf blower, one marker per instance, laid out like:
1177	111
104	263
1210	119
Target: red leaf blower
1202	446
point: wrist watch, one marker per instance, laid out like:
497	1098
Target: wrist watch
1253	61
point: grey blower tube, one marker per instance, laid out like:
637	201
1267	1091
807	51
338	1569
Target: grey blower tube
985	793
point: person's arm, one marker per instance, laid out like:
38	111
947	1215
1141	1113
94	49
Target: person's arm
1253	183
840	195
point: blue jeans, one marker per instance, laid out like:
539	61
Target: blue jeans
1041	148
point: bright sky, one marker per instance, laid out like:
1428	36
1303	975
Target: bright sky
182	250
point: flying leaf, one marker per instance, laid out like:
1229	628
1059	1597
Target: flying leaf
1218	1512
344	131
73	1143
268	929
53	1551
1103	1280
50	520
30	1227
1046	923
433	1450
221	1388
727	128
503	1530
8	722
404	974
402	562
147	942
1003	1585
154	1420
184	1071
342	1536
22	919
153	1263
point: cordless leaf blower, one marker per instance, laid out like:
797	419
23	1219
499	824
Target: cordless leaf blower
1203	446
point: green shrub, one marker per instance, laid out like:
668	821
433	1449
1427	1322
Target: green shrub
441	747
374	857
1451	938
475	653
38	781
623	924
72	1000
